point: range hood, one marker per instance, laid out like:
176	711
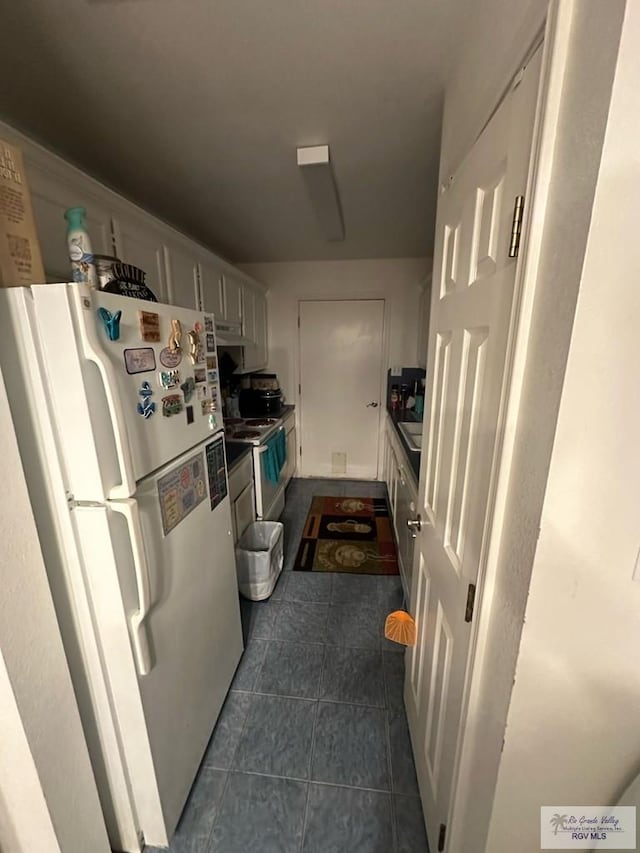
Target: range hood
230	335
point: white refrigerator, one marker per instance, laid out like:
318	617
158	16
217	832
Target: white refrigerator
117	408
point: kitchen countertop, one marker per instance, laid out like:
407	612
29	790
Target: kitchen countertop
400	416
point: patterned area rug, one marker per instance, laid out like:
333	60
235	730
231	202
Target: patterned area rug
348	535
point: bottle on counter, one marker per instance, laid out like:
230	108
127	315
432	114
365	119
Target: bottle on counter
83	269
395	398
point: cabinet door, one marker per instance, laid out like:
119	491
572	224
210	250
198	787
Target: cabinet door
211	290
403	534
248	313
260	326
291	454
181	278
392	477
50	197
142	245
244	510
232	299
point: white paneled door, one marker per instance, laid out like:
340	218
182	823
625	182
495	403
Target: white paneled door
340	380
472	316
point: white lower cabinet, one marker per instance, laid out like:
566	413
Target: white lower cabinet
403	500
244	511
241	495
290	464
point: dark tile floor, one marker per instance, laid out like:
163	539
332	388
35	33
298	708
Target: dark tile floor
311	751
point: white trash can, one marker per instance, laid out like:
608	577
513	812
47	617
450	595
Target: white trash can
259	559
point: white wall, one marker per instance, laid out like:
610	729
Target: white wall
397	281
36	687
572	732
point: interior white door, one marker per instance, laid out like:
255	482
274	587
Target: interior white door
340	379
471	319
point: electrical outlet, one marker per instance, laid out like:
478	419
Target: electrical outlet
396	371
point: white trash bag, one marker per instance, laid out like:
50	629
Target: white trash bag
259	559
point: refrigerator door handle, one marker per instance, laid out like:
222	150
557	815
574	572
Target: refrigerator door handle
141	649
92	350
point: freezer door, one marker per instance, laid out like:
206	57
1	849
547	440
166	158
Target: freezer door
178	579
134	384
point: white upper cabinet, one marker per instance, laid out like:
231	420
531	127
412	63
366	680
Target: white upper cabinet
211	292
140	244
182	280
254	327
178	270
232	298
51	196
248	313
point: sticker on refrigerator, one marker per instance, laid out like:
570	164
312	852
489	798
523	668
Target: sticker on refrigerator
208	407
170	358
196	349
180	491
200	374
208	323
216	472
212	362
169	379
212	376
202	392
111	323
149	323
211	342
172	405
188	387
146	407
139	360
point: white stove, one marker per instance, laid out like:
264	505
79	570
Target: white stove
250	430
257	431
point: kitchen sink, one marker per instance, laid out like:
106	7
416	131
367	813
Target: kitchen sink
413	434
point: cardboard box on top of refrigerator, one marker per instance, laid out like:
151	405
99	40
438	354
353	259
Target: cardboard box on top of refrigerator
20	258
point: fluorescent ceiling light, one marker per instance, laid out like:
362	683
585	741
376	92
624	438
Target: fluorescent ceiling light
315	165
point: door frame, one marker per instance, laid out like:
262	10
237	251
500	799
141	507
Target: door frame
553	30
373	296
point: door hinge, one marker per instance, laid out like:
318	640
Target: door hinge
298	321
516	226
471	598
299	389
300	450
441	836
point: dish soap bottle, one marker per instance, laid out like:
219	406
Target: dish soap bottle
83	269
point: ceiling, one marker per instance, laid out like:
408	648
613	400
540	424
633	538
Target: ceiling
194	109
